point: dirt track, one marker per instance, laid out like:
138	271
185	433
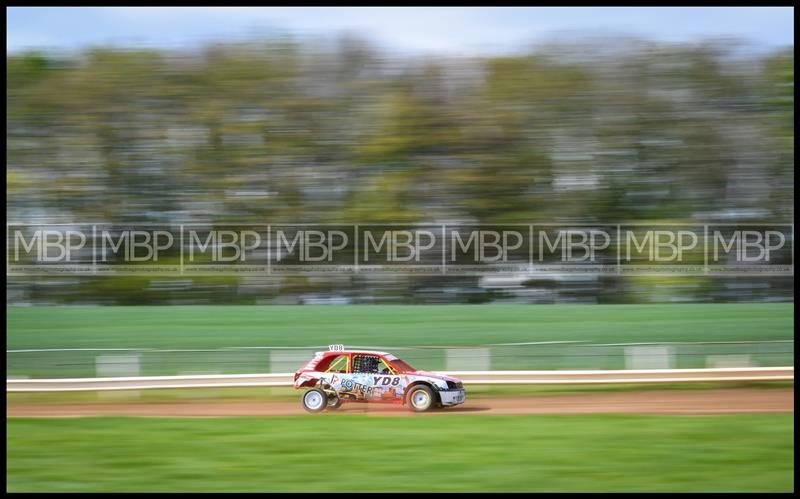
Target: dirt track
651	402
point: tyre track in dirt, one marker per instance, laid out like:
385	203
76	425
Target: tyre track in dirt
714	401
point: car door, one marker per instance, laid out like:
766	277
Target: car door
388	383
360	381
376	379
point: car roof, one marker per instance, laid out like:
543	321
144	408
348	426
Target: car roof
340	352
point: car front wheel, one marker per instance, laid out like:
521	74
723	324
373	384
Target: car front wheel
421	398
315	400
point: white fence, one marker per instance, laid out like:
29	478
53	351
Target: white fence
468	377
540	356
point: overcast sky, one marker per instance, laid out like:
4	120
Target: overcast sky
432	30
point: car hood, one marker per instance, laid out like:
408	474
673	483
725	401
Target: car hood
435	375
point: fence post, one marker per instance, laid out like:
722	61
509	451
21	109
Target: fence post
649	357
116	366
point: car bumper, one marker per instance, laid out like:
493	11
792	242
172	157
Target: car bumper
452	397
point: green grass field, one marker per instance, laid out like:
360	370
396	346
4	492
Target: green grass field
389	325
407	453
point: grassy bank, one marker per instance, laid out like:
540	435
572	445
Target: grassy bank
232	326
205	328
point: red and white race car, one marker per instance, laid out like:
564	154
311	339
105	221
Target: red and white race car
340	375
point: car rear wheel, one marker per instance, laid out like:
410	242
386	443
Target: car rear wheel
334	403
421	398
315	400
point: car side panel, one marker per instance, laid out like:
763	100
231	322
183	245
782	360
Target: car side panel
366	386
374	387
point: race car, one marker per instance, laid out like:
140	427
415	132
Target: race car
340	375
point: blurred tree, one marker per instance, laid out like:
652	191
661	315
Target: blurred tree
279	131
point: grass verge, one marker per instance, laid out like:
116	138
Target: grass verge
728	453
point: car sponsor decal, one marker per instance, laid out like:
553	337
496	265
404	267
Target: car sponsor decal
362	390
